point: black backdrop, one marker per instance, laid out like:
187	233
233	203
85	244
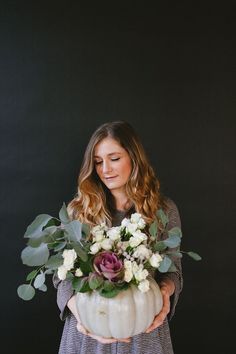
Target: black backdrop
170	72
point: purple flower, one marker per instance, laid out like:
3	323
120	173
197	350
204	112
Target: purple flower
108	265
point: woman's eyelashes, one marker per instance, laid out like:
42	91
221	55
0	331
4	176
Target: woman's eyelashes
99	162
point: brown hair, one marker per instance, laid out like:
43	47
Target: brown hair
93	201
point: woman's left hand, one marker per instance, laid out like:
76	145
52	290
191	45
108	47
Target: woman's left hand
167	289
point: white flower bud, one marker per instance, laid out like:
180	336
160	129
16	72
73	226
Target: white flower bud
69	258
61	272
144	286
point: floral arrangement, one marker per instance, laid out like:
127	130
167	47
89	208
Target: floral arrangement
104	259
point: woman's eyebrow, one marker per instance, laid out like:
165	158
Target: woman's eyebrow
111	153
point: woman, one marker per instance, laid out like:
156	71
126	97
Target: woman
115	181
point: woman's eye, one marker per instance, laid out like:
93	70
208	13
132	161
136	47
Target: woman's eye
115	159
97	162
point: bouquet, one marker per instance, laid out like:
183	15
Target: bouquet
102	259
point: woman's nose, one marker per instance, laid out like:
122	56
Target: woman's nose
106	167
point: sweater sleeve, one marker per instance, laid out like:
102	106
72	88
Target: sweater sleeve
64	293
176	277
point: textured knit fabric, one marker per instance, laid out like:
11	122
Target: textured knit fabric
155	342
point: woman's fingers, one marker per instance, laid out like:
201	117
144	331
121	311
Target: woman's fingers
159	319
101	339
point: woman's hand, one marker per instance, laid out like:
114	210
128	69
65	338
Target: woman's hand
167	288
100	339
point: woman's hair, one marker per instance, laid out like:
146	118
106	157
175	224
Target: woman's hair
93	201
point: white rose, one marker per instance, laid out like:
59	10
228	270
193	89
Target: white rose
125	222
128	275
142	252
69	258
61	272
135	267
141	224
128	271
155	260
114	233
98	236
141	274
135	218
131	228
106	244
144	286
78	272
137	238
95	248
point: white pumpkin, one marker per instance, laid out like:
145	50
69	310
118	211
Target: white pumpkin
129	313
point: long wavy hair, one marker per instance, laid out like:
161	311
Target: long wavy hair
93	202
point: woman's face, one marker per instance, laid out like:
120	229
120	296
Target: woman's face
112	163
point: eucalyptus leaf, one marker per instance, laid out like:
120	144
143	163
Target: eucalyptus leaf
43	288
172	268
85	231
36	241
165	264
73	230
172	241
35	228
63	214
163	217
80	251
159	246
32	275
39	280
194	255
60	246
35	256
175	231
26	292
54	261
153	229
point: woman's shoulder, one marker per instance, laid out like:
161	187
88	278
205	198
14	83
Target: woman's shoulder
170	205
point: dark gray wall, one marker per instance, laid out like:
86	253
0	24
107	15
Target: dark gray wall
170	72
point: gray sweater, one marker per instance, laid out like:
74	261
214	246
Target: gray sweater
155	342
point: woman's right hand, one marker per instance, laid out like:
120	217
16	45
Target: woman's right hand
72	306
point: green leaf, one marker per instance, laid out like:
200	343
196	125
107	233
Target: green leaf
36	242
54	261
159	246
39	280
175	254
163	217
85	231
153	229
95	281
59	246
73	230
86	267
32	274
165	264
194	255
175	231
63	214
109	294
35	256
35	228
108	285
172	268
172	241
80	251
81	285
25	292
